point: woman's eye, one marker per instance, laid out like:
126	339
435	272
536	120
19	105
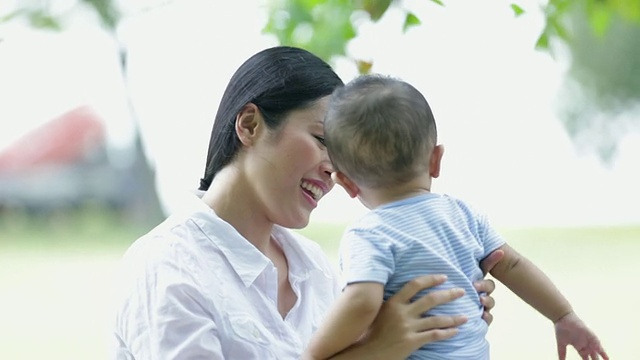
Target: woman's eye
320	139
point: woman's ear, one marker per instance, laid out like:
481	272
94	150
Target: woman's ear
248	124
436	159
343	180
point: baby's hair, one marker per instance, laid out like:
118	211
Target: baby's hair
379	131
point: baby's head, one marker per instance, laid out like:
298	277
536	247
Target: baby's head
380	132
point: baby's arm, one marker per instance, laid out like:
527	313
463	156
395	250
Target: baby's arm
347	320
529	283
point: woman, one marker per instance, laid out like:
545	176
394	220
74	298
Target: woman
227	279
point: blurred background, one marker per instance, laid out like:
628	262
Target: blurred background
106	108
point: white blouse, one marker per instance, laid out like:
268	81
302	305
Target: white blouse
194	288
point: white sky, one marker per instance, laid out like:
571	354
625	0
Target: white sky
492	94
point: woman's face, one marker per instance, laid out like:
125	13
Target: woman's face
293	167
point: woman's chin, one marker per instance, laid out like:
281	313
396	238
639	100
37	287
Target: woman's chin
297	223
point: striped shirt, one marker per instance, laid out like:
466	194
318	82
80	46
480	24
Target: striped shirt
426	234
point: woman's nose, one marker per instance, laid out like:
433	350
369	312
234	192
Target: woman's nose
326	168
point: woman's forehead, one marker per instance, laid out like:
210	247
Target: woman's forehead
312	115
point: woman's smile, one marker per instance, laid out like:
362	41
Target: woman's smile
313	190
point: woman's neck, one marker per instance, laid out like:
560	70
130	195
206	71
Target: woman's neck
233	200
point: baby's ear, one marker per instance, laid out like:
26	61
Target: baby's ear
343	180
436	159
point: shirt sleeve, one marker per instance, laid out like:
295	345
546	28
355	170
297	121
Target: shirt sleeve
366	256
162	316
491	239
485	233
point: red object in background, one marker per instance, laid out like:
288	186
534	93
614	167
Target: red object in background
63	140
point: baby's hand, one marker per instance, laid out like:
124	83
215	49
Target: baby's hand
570	330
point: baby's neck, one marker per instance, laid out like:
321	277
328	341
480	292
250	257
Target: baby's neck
372	198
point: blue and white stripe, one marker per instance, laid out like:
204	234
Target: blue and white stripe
426	234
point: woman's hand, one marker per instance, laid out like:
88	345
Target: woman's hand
400	328
485	287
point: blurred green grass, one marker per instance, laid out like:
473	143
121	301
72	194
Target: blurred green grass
560	239
87	229
58	274
596	268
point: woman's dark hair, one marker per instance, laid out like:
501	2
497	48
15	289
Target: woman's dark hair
277	80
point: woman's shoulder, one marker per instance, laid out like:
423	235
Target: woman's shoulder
175	243
172	237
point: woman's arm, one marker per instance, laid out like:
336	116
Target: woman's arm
400	329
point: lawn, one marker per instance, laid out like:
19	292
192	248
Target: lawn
56	288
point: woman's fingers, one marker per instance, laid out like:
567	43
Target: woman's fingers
487	317
485	286
440	322
413	287
436	328
401	323
427	337
487	302
433	299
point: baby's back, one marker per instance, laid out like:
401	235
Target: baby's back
427	234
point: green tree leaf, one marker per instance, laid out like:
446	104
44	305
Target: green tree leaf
599	35
323	27
12	15
517	10
410	21
599	19
42	20
543	42
375	8
107	11
364	67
